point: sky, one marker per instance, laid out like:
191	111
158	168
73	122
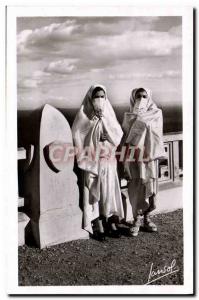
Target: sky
59	58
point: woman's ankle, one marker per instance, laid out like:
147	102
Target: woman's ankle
113	226
100	226
147	217
152	202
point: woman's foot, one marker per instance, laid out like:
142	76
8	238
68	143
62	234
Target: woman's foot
114	233
100	236
149	225
99	233
152	203
113	230
134	230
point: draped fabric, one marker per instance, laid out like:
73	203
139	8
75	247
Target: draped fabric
96	158
144	131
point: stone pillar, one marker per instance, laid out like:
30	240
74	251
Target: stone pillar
51	185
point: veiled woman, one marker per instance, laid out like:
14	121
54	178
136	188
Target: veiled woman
143	127
96	134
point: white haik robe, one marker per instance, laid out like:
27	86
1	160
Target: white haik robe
143	129
102	194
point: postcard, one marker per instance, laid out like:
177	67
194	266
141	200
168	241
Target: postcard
99	133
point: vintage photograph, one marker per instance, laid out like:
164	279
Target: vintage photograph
100	164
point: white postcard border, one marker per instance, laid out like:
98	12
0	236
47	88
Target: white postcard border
11	146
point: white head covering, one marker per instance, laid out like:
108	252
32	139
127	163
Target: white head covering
86	126
87	107
149	105
146	130
128	116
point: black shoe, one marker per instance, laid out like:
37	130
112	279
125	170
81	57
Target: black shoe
99	236
114	233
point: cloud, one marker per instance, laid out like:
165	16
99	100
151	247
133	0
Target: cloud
97	70
65	66
166	74
74	28
160	75
41	37
67	55
22	42
176	30
88	39
172	74
27	83
98	52
38	74
55	98
115	25
131	45
34	80
25	99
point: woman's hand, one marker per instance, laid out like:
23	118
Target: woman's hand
99	113
104	137
96	115
92	115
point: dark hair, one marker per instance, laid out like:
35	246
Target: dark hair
97	89
140	90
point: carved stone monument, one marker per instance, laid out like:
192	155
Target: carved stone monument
51	190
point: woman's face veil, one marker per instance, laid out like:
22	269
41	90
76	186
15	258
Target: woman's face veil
95	101
98	100
140	104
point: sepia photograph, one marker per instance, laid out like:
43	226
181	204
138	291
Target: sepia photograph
102	136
